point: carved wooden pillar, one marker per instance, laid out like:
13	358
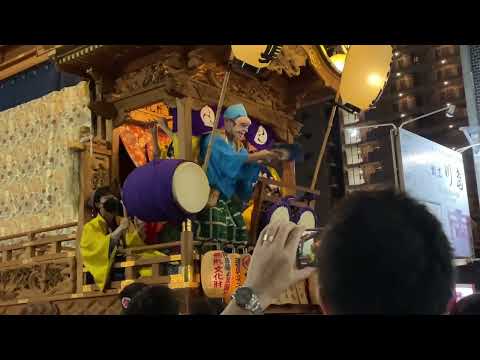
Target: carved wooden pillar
99	88
288	176
94	173
81	219
184	125
184	133
115	157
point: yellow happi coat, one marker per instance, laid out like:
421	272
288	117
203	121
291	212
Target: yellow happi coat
94	247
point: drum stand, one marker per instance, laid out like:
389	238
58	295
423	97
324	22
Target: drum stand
186	244
187	266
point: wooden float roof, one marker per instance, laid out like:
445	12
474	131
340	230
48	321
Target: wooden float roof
286	80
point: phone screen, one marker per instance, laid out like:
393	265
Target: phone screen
306	253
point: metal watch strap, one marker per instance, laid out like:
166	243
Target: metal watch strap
253	306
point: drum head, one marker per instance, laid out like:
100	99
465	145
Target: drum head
190	187
280	214
307	219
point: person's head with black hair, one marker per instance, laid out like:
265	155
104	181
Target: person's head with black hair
98	194
128	293
204	306
384	253
105	203
153	300
469	305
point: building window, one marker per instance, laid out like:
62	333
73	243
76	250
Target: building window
404	83
406	105
446	51
451	94
404	61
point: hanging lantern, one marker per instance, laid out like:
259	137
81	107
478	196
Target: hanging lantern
258	56
365	74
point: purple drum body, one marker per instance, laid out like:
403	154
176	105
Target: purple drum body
147	192
299	213
280	209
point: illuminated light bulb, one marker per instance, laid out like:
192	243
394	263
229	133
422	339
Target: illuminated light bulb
398	74
403	115
445	83
450	126
443	61
400	94
374	79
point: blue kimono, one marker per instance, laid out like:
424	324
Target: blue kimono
228	170
229	173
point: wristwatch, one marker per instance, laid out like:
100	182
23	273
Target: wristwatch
246	299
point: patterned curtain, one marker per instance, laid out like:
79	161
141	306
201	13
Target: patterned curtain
38	173
138	140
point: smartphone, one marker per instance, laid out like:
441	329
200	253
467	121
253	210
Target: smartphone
306	254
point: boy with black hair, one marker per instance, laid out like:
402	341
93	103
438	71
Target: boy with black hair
128	293
153	300
385	253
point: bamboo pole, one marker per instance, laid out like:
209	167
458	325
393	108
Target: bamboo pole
217	117
324	144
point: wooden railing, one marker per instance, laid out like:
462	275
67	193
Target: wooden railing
42	265
39	255
38	248
157	264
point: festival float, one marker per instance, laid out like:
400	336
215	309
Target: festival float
138	126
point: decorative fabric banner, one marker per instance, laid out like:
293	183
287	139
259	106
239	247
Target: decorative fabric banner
39	174
202	120
259	136
33	84
138	141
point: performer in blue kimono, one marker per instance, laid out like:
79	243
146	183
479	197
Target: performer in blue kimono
232	173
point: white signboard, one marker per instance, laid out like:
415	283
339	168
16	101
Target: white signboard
434	175
463	290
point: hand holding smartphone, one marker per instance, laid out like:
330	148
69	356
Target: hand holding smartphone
306	254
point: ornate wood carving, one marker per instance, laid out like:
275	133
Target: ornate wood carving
105	305
52	277
97	168
290	61
98	305
180	71
321	67
199	74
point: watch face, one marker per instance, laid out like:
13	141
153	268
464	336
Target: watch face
243	296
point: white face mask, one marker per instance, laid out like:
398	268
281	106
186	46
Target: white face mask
207	115
261	136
